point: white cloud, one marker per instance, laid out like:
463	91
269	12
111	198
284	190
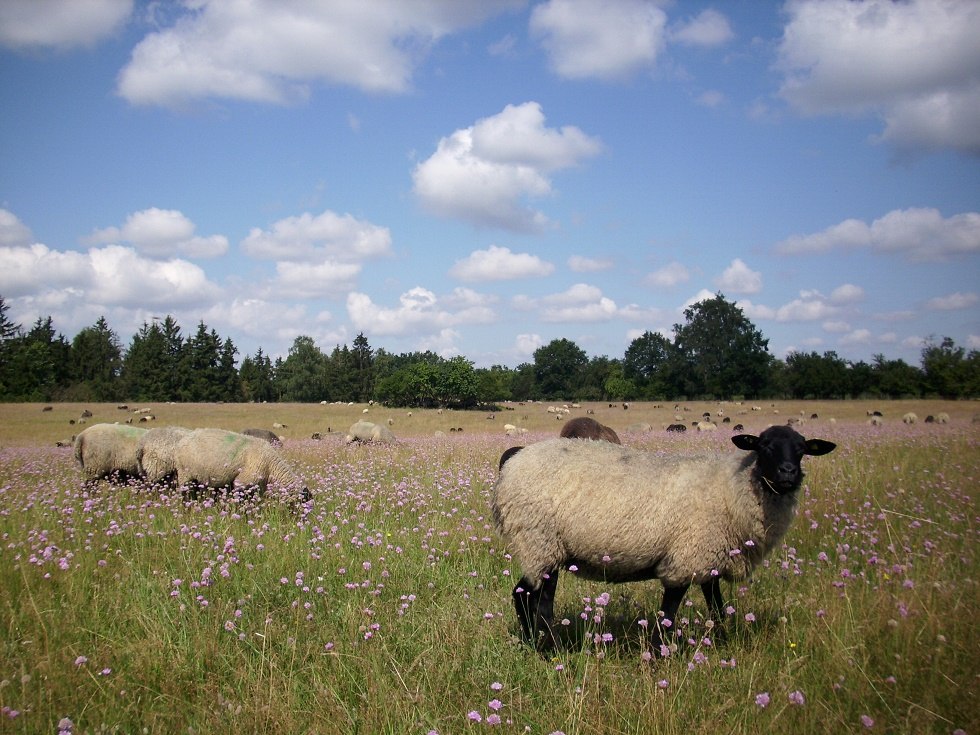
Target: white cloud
857	337
848	293
756	311
12	231
112	275
484	173
711	98
836	326
953	301
161	233
668	276
608	40
269	51
419	312
328	279
739	278
60	24
809	308
499	264
915	63
709	28
581	264
579	303
527	344
312	238
973	342
917	233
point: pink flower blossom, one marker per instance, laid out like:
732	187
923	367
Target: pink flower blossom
762	699
81	660
796	697
867	721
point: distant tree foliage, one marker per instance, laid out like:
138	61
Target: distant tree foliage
716	353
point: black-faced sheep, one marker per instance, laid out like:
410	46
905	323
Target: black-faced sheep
584	427
104	450
156	453
619	514
221	459
264	435
368	432
680	428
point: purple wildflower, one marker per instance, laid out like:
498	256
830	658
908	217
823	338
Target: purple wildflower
762	699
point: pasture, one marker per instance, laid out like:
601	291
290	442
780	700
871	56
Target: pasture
386	606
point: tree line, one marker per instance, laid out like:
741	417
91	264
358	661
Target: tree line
717	353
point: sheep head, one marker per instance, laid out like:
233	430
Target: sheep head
779	451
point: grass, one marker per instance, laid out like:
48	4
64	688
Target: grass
386	608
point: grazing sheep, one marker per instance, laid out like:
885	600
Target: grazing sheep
277	425
222	459
942	418
706	426
640	427
676	427
875	421
367	432
585	428
264	435
618	514
104	450
156	453
909	418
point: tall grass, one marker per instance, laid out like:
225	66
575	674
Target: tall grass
386	607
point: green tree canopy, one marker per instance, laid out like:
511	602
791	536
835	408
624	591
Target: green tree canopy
724	354
558	368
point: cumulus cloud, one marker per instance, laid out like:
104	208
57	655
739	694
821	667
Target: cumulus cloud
953	302
161	233
916	64
419	311
527	344
709	28
484	173
499	264
609	40
847	294
580	303
327	279
269	51
61	24
581	264
739	278
316	238
112	275
919	234
668	276
12	230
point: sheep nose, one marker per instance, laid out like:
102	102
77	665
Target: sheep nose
788	468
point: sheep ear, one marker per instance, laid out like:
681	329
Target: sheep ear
817	447
748	442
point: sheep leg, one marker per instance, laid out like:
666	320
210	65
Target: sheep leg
670	604
535	607
712	595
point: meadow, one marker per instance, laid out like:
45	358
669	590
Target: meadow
385	606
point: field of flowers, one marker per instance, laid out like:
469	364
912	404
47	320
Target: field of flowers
384	606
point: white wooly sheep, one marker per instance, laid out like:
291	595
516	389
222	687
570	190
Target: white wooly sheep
706	426
156	453
619	514
942	418
102	450
368	432
909	418
222	459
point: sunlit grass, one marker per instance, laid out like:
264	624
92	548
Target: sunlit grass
386	607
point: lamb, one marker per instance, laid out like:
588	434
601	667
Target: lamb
104	450
156	453
585	428
222	459
620	514
368	432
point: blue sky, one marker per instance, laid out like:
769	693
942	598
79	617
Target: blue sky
479	178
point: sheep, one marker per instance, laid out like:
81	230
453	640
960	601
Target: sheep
706	426
155	453
676	428
585	428
619	514
909	418
222	459
367	432
104	450
875	421
942	418
264	435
